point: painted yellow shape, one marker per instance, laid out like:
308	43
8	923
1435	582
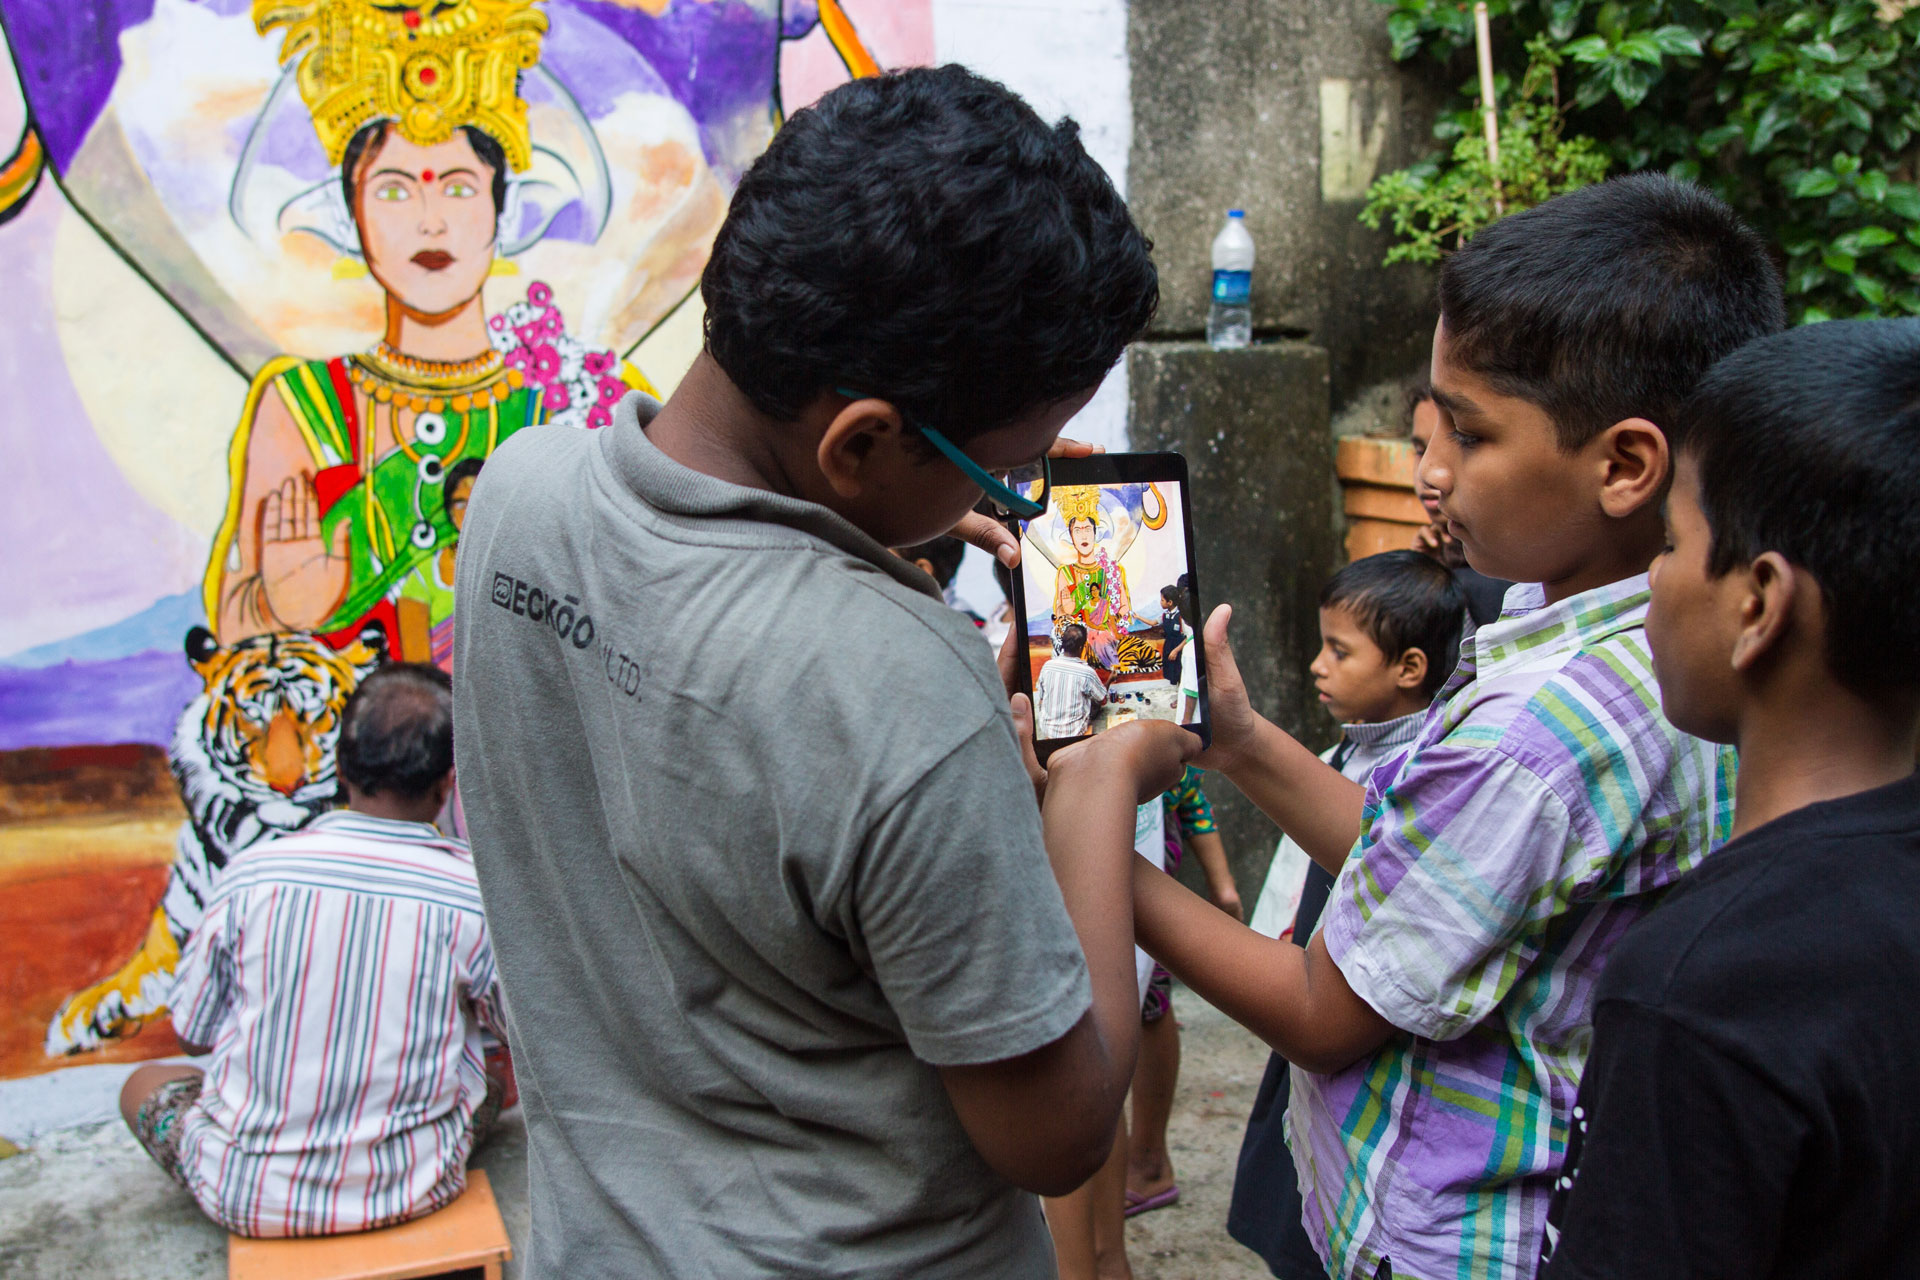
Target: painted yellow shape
130	999
85	843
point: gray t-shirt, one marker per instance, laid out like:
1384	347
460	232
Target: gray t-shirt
757	850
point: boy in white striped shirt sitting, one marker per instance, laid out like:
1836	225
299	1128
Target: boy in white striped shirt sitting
340	982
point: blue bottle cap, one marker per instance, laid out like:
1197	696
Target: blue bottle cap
1236	213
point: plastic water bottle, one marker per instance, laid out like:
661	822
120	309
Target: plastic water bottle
1230	318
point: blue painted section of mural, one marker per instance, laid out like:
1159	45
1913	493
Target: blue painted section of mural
161	626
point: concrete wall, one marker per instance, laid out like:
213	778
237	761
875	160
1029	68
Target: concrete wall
1253	427
1287	109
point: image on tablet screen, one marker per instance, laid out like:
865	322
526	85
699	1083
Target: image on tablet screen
1106	623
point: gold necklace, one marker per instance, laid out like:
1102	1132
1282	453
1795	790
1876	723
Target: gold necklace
438	374
489	382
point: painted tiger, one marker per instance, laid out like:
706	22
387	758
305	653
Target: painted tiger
253	758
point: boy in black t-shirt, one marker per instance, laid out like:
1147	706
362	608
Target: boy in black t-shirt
1749	1109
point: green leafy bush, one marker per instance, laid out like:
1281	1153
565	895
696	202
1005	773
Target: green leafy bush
1804	117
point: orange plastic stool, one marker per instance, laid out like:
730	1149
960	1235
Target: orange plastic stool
467	1233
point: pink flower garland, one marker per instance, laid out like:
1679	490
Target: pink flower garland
578	386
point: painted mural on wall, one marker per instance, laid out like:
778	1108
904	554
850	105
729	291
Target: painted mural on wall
282	274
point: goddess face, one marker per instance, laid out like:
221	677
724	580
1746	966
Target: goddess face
427	221
1083	532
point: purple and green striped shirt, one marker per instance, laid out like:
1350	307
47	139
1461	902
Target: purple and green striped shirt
1544	806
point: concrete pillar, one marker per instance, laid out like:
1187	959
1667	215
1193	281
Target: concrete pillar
1288	109
1253	425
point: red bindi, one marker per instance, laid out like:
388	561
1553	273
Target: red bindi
412	18
426	175
428	75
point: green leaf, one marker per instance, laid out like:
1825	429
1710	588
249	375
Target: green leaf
1853	113
1630	82
1820	51
1639	48
1403	29
1871	289
1837	261
1610	21
1776	117
1563	18
1872	185
1587	49
1813	315
1712	140
1903	201
1907	258
1868	238
1677	41
1815	182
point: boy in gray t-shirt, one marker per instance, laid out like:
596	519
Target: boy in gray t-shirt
797	985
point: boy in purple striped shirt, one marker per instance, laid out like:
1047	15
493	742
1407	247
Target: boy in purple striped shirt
340	982
1439	1021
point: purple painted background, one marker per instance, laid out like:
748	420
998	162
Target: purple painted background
717	59
76	704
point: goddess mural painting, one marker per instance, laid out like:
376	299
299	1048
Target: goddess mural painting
338	515
1085	537
327	195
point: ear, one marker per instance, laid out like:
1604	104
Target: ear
848	444
1410	672
1775	592
200	646
1635	466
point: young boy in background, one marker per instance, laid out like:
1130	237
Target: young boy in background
1389	637
1485	595
1439	1020
1390	629
1749	1108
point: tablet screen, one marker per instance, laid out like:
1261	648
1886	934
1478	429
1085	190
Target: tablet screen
1108	638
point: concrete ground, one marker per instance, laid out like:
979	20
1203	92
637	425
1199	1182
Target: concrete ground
84	1203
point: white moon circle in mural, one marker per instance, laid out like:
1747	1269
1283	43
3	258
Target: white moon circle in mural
423	535
429	428
431	469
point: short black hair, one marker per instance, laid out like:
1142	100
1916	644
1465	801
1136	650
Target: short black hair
372	134
925	237
1404	600
1073	639
1808	444
943	553
396	731
1609	302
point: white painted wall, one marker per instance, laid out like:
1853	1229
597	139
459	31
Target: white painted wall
1066	57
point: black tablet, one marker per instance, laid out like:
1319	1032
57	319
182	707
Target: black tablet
1106	599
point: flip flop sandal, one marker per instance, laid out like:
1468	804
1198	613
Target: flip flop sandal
1137	1203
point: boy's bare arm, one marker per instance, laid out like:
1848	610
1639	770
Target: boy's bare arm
1309	798
1297	1001
1045	1121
